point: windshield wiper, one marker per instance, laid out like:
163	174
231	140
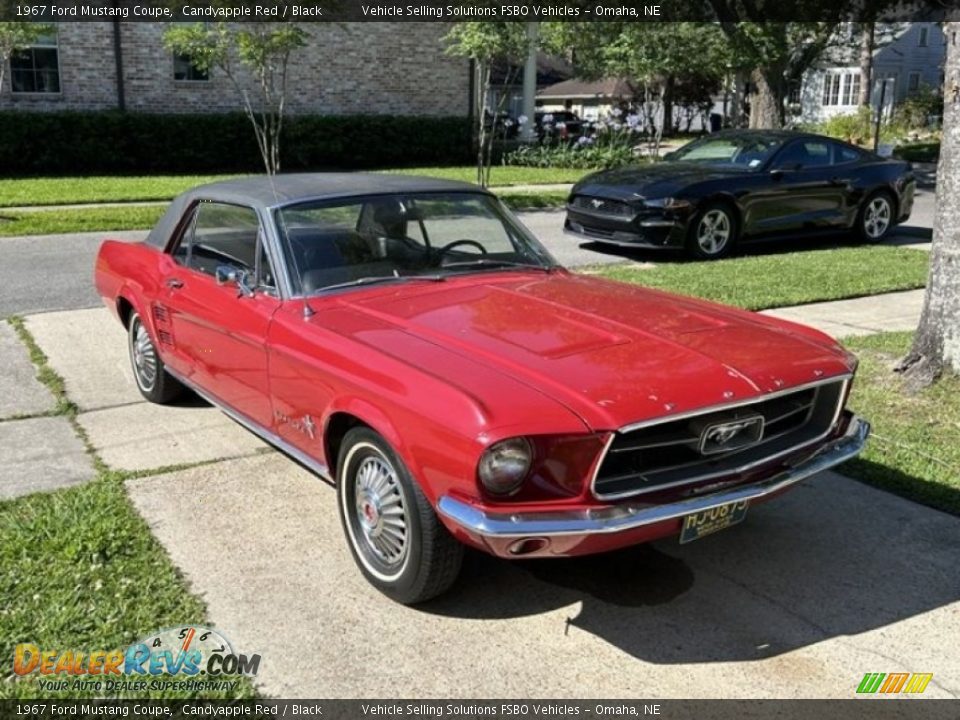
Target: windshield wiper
488	262
377	279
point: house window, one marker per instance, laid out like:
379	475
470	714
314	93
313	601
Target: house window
36	68
851	89
184	69
913	82
831	88
923	37
793	93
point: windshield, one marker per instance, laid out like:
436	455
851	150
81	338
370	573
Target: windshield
746	151
402	238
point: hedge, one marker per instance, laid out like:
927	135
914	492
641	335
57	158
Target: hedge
70	143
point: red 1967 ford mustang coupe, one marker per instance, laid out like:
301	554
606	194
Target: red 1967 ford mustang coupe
409	341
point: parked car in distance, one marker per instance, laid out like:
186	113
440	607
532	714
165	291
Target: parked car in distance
564	124
743	185
413	344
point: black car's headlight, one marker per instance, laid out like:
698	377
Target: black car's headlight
667	203
504	465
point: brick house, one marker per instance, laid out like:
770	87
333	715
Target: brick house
345	69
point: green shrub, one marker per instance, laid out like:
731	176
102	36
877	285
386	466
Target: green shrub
87	143
858	127
606	143
914	112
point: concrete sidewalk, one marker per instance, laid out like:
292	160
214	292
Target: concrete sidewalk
860	316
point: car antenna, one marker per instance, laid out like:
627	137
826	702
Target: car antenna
308	312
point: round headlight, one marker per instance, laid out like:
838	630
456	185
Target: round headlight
504	465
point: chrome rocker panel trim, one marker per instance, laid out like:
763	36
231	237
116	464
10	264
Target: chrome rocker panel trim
257	429
623	517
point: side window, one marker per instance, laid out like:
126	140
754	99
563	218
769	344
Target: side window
843	154
806	154
220	234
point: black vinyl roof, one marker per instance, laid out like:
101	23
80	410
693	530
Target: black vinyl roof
264	191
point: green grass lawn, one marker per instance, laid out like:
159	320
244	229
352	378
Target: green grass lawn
915	447
758	282
81	570
142	217
75	190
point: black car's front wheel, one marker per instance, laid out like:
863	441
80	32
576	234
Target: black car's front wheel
395	537
875	220
713	232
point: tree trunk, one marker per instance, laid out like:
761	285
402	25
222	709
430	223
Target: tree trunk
867	31
667	125
766	101
936	346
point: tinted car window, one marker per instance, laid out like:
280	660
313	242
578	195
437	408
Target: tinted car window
806	153
843	154
748	151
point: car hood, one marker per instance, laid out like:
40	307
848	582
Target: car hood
652	181
610	352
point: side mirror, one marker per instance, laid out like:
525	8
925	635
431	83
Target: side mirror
226	275
670	155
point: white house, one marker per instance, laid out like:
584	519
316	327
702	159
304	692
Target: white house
913	56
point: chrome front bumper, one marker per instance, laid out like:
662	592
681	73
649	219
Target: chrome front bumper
625	516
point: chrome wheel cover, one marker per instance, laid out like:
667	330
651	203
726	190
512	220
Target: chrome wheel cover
144	357
713	231
876	218
380	515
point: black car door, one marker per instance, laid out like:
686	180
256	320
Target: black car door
804	191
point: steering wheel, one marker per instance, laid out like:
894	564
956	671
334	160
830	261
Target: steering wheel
451	245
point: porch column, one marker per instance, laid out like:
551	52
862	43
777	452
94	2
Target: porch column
527	131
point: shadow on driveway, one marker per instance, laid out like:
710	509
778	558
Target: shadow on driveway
901	235
832	558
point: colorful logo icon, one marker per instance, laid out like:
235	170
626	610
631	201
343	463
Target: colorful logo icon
893	683
184	651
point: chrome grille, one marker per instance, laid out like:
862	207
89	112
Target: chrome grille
669	453
602	206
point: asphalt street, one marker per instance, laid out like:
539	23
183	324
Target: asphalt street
54	272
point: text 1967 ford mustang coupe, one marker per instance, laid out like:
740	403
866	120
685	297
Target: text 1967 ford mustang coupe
410	341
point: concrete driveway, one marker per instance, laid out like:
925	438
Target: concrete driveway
831	581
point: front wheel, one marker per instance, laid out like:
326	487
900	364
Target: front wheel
875	220
713	232
153	380
395	537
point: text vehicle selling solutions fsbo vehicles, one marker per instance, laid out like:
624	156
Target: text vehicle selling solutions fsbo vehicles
408	340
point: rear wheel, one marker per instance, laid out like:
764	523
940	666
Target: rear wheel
395	537
153	381
875	220
713	232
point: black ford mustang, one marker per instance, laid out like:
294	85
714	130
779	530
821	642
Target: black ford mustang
743	184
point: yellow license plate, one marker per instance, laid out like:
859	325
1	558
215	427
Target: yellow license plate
705	522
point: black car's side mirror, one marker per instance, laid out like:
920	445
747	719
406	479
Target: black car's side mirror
226	274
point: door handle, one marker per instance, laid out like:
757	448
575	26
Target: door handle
174	283
840	181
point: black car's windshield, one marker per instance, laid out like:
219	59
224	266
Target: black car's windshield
745	151
331	245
